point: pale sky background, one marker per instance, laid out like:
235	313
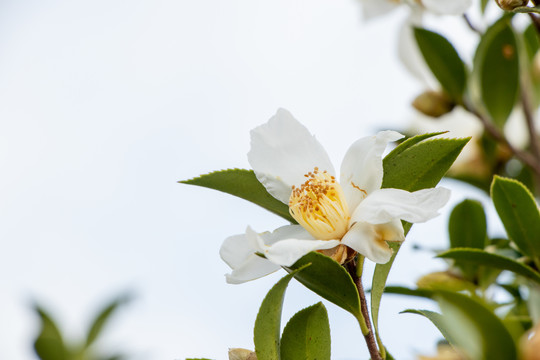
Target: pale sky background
104	105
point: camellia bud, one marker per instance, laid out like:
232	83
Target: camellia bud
433	103
510	5
242	354
530	344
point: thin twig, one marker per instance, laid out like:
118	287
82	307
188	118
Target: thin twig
496	134
529	117
536	22
471	25
369	338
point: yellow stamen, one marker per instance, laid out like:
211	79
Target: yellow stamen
320	207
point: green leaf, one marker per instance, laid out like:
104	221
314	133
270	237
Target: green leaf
443	61
527	9
437	320
467	225
49	344
467	228
475	329
532	43
330	280
244	184
519	214
415	164
484	258
420	165
497	67
379	281
268	322
102	318
307	335
400	290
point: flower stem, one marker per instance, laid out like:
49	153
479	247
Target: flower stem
355	270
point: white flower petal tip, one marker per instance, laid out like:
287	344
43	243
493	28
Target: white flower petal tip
282	152
389	136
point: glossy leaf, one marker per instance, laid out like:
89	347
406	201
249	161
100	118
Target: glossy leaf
49	344
420	165
475	329
330	280
436	319
307	335
268	322
244	184
497	67
102	318
519	214
484	258
467	228
443	61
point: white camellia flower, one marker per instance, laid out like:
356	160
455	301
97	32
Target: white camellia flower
374	8
408	51
336	218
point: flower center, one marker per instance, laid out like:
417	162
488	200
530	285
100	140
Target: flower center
320	207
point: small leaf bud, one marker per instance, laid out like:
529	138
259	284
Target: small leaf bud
241	354
530	344
444	281
510	5
433	103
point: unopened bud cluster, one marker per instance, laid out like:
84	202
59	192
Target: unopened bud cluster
510	5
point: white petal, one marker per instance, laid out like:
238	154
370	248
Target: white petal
362	166
385	205
282	151
287	252
375	8
410	55
253	268
235	250
362	237
286	232
238	253
447	7
391	231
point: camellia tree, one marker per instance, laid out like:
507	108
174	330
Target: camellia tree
337	221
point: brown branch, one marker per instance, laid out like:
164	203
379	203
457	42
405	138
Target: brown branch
369	337
529	117
496	134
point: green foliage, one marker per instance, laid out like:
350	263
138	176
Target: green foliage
527	9
244	184
480	257
49	344
519	214
268	322
415	164
443	61
496	66
475	328
330	280
437	320
307	335
103	317
467	228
